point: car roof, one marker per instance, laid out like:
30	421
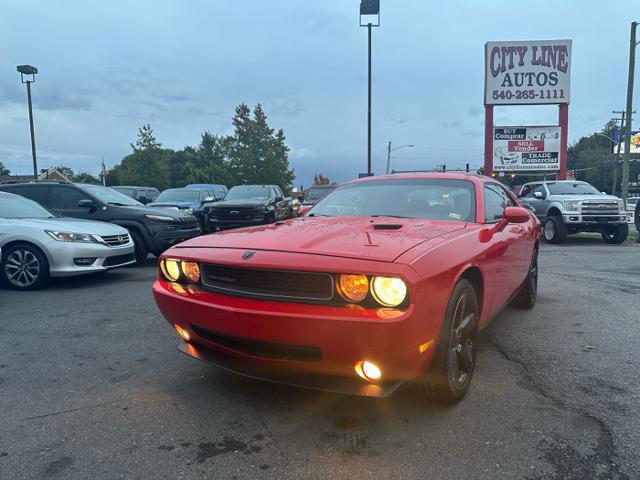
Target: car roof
473	177
131	186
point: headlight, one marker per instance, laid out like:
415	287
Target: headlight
71	237
388	291
621	205
572	205
170	269
353	288
191	270
188	211
160	218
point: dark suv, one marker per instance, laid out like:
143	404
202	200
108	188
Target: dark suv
153	230
247	205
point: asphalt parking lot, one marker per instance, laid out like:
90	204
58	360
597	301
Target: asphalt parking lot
91	386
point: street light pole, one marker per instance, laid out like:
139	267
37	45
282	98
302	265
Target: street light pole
29	70
369	8
389	150
627	138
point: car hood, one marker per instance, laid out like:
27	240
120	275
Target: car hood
174	204
583	197
67	224
380	239
147	210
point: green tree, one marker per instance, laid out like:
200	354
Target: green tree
147	164
84	177
256	154
209	163
4	170
592	158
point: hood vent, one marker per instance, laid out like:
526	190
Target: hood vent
387	226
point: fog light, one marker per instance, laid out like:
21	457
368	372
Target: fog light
84	261
171	269
191	270
182	332
368	370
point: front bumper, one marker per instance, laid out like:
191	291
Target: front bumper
577	218
169	235
341	335
62	257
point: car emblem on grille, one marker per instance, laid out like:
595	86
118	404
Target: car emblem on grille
247	255
122	238
234	211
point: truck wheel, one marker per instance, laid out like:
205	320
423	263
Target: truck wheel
616	235
141	249
554	231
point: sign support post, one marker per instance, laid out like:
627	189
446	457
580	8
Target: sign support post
563	121
488	140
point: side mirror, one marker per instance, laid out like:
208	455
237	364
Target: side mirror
86	203
279	199
604	193
516	215
209	199
143	200
538	195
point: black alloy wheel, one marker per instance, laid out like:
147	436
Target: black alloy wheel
449	376
528	294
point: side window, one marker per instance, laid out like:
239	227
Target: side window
495	201
66	197
37	193
527	191
278	192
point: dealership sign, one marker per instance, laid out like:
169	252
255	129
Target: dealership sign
526	148
620	138
527	73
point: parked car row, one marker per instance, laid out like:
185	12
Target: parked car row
57	228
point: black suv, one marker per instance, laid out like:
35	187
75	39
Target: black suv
153	230
247	205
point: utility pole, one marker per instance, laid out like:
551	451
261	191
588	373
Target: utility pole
617	157
28	70
627	138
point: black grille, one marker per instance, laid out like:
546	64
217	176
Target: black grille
118	260
600	208
240	213
115	240
276	284
260	348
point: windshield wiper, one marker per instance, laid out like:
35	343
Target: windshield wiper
118	204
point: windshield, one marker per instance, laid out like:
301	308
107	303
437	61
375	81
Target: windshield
434	199
20	207
248	193
572	188
316	193
110	196
179	195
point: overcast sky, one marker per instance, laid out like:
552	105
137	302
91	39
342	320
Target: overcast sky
106	68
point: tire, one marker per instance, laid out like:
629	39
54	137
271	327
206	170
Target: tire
616	235
141	252
554	231
205	223
449	376
528	294
24	267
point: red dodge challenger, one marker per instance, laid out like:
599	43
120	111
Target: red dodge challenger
386	280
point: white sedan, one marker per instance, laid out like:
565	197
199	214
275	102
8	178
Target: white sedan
37	245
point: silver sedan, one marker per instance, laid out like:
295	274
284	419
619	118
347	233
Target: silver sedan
37	245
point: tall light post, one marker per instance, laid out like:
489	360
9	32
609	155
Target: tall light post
389	150
627	130
28	70
369	9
